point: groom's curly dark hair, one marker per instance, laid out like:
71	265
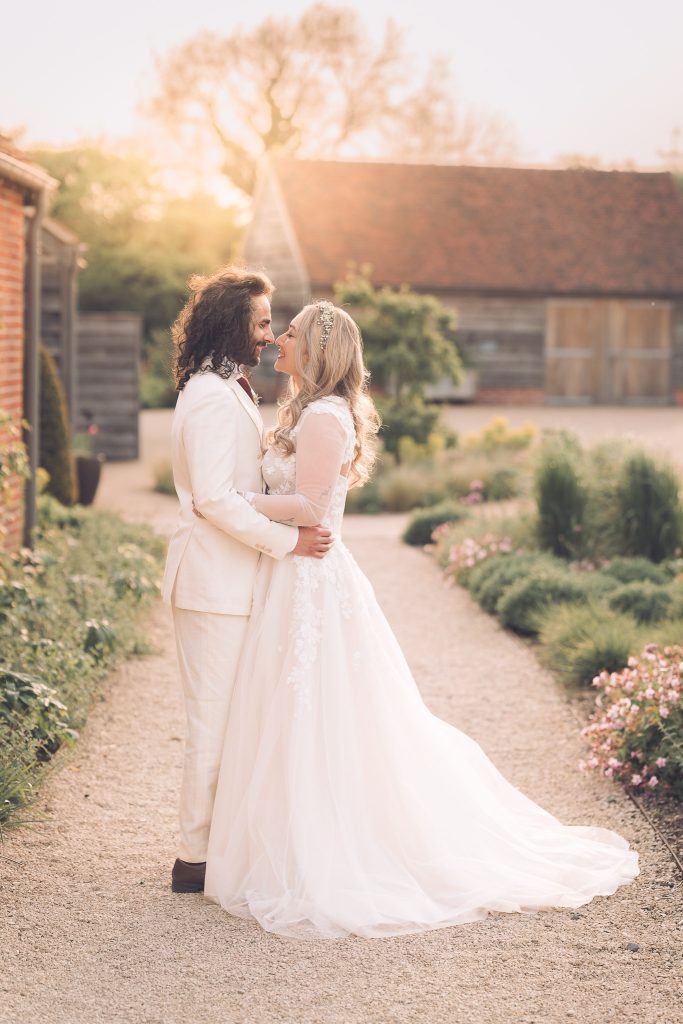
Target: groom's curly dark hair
216	321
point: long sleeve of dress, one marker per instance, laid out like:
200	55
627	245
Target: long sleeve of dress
320	446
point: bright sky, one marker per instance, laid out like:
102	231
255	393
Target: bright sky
599	77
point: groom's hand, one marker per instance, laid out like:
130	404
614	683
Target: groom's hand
313	542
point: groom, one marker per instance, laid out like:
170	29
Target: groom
216	443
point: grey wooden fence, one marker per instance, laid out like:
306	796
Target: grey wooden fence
108	385
61	260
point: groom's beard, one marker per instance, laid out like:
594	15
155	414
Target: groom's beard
255	351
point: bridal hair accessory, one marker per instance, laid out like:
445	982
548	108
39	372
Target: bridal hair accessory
326	320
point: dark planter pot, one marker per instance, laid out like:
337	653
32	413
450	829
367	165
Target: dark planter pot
88	469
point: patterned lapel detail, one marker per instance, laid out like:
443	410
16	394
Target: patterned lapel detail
247	403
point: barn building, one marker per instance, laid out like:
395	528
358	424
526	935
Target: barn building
567	284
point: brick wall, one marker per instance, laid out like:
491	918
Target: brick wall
11	340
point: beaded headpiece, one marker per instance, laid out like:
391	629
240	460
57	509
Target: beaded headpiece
326	321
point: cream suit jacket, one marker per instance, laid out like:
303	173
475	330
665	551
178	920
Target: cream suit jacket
216	441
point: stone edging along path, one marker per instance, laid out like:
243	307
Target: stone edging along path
90	931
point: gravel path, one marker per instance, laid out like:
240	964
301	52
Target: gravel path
92	933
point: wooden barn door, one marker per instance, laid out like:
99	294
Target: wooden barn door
574	343
640	352
608	351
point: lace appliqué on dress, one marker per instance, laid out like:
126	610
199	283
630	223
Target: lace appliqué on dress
306	630
312	574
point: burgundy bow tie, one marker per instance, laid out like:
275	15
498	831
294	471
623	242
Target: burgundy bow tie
244	383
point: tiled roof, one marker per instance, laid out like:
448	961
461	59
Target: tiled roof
488	228
17	166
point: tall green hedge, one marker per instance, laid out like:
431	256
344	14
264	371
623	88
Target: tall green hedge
55	441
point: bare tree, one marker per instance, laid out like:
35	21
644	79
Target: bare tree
314	86
431	125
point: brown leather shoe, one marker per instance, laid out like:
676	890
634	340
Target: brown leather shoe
187	877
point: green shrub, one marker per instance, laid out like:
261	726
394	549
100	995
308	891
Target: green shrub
27	703
69	609
502	483
516	530
635	570
51	512
14	467
409	417
430	474
157	388
498	434
494	577
522	605
54	437
600	468
646	602
364	500
422	524
403	488
648	509
597	585
480	573
580	640
163	478
561	501
156	392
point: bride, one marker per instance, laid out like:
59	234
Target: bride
343	805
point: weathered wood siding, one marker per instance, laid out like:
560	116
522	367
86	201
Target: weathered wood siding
108	385
608	351
59	269
504	338
677	351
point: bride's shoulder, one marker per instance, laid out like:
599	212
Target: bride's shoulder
331	404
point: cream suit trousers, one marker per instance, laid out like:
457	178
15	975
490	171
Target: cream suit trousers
209	647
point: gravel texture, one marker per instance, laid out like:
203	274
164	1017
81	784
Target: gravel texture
92	933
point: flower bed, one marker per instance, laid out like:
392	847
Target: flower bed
615	624
636	732
69	610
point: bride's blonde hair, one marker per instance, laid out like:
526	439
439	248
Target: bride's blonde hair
335	369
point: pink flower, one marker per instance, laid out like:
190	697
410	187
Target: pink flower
653	781
663	710
661	762
636	779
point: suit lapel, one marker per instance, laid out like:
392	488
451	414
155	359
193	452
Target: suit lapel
249	406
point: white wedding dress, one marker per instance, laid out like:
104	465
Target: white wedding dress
343	805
